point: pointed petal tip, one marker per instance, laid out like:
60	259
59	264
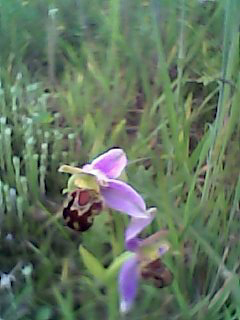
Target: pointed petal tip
124	307
69	169
62	168
152	211
64	191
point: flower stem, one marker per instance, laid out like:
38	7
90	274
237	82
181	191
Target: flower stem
112	301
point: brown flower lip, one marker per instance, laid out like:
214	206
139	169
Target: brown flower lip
81	209
157	272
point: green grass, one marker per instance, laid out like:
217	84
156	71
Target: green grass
161	80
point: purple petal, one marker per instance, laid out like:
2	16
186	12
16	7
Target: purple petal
132	244
121	197
111	163
135	227
128	283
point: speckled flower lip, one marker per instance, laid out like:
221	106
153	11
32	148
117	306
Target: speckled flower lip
81	208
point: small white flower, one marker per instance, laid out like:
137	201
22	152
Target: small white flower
27	270
6	280
9	237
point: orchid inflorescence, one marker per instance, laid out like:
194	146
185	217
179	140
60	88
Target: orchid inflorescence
97	185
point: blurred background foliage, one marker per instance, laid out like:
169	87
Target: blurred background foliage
159	79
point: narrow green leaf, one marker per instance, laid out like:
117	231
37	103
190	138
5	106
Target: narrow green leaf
92	264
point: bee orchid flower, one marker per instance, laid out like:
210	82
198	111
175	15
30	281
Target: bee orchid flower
96	185
144	263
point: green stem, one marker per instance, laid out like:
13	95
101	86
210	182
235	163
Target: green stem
112	301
